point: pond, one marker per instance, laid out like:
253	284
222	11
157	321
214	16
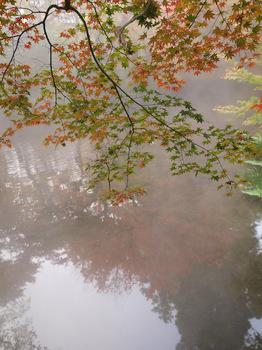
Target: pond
180	268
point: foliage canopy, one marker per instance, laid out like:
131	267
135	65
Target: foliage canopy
108	71
251	112
251	109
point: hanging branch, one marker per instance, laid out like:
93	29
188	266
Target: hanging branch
116	86
151	123
120	30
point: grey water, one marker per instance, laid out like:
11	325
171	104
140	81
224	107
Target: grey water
180	268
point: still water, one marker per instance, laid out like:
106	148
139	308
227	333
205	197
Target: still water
178	269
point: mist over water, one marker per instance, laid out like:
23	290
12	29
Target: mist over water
177	269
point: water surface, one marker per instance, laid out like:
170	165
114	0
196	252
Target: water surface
178	269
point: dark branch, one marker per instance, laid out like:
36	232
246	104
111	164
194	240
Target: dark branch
115	85
134	18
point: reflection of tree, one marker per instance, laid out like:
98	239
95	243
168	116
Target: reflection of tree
192	261
253	341
29	210
209	315
16	334
215	302
47	184
205	266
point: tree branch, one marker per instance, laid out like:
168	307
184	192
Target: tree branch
120	30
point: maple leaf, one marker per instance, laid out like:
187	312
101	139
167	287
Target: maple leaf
208	15
94	79
28	45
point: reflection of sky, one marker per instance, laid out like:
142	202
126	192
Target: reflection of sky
256	324
259	235
69	314
46	187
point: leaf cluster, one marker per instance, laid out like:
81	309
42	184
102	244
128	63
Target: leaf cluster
113	93
248	110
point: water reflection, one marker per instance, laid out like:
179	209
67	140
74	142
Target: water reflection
16	333
180	269
92	320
